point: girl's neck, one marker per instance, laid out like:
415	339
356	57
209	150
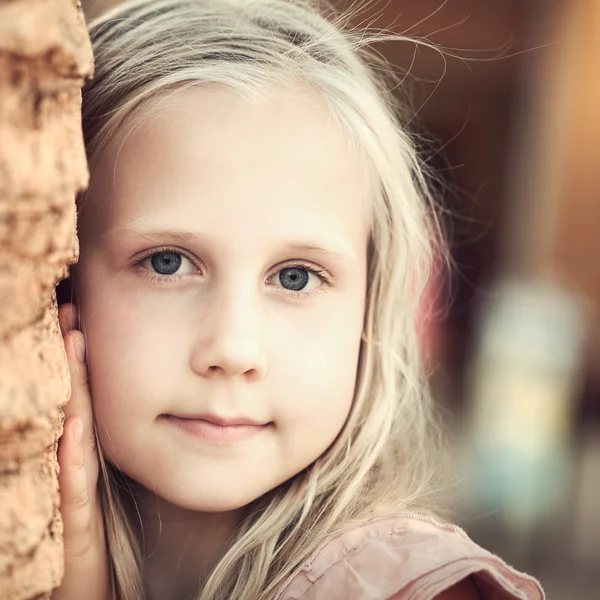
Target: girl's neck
180	547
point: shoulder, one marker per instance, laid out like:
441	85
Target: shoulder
406	557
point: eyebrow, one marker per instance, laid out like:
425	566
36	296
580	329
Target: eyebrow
319	249
151	235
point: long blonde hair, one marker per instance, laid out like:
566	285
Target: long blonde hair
384	458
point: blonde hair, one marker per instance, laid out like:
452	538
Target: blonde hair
384	458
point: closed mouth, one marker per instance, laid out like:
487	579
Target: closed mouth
217	431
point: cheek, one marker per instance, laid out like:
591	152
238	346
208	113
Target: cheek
317	376
312	416
133	364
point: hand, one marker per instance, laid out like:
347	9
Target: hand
87	571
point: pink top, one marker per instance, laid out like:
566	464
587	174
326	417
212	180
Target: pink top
404	557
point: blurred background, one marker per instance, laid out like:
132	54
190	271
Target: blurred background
509	117
510	109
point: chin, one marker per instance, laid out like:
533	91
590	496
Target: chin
207	501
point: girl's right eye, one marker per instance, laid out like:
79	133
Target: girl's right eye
168	263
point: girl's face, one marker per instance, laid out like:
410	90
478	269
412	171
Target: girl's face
222	288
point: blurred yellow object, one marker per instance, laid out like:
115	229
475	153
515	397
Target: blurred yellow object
523	382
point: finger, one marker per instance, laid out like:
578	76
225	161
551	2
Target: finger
67	317
80	403
76	509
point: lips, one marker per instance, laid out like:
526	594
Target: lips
221	421
216	429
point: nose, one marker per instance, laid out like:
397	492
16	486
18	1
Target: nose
230	337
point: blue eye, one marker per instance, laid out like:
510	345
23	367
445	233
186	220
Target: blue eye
299	280
166	263
294	279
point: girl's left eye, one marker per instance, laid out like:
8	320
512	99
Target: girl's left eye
298	279
168	263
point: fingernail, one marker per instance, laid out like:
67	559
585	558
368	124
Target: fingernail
79	345
78	431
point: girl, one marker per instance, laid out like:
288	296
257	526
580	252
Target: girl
254	241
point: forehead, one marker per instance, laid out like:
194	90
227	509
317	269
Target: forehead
279	155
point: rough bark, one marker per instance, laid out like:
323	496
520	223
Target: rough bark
44	56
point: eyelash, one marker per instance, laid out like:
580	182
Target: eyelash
170	279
